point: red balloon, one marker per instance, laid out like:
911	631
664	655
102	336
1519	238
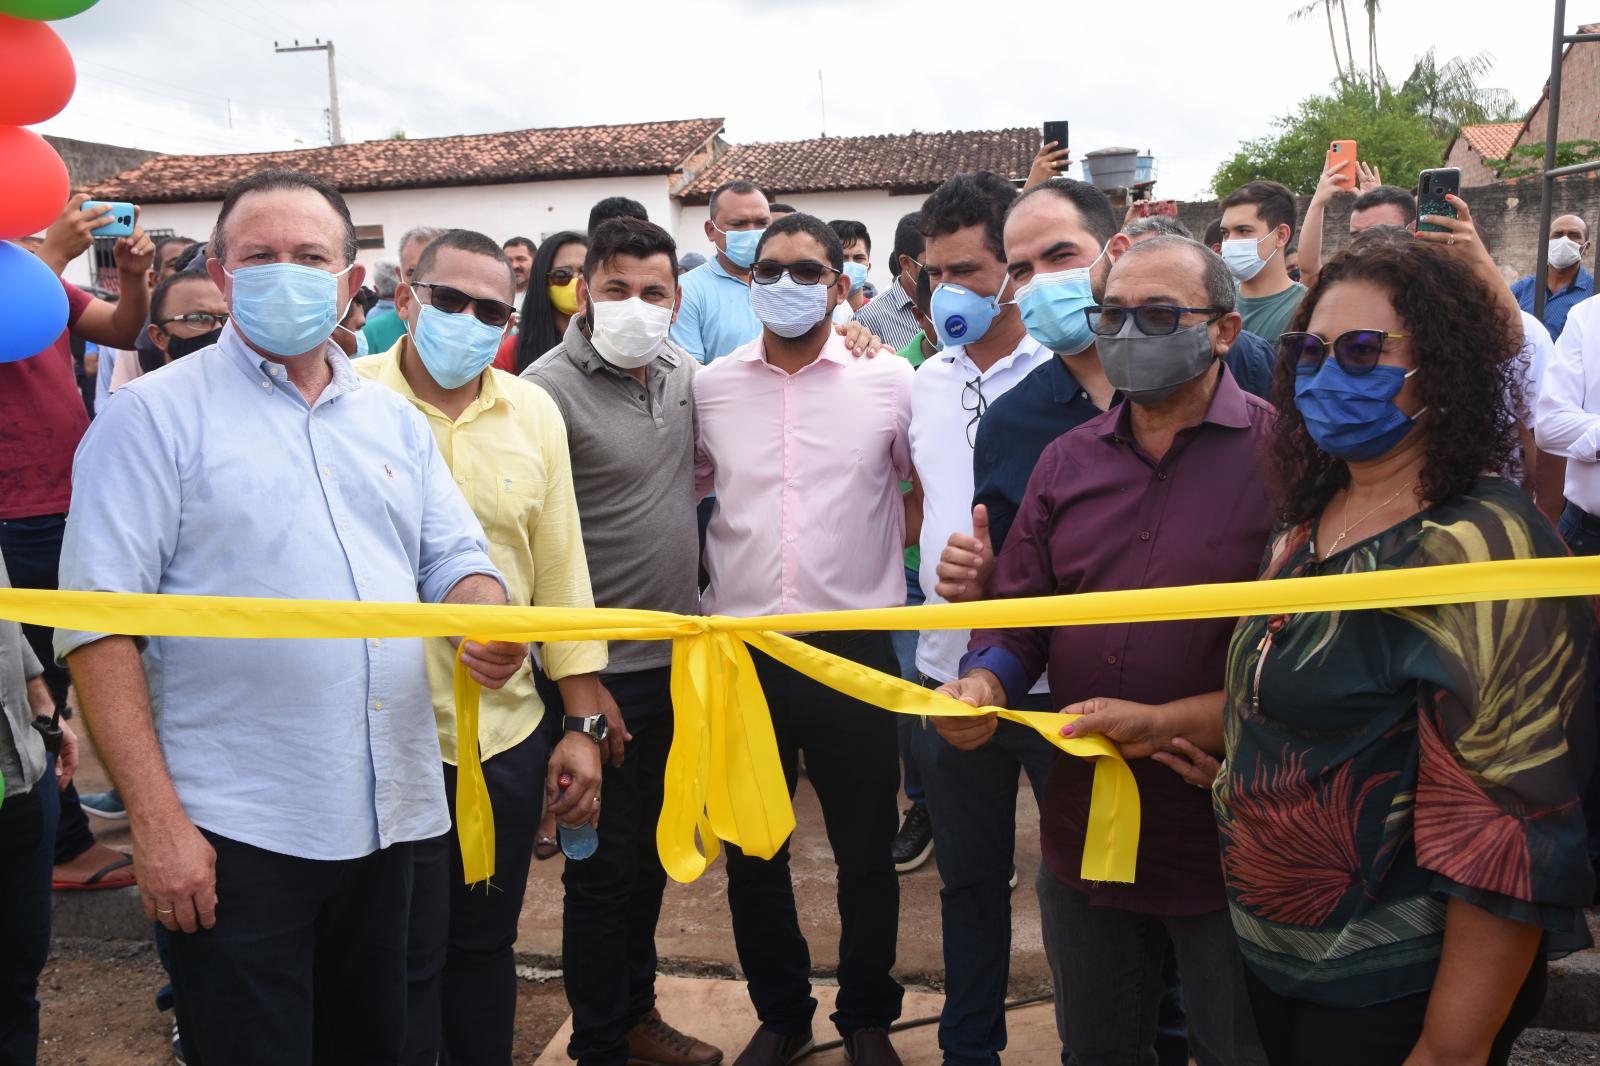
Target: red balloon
34	186
36	72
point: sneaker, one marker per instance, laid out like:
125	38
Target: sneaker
1013	881
177	1045
655	1043
914	843
107	805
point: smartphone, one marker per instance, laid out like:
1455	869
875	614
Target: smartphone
1056	131
119	223
1343	152
1432	187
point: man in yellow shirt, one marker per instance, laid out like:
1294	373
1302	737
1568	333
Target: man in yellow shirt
504	441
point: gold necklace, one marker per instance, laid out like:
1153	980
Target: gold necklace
1348	525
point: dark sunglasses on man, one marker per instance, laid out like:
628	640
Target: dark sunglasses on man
453	301
1357	351
1152	320
805	272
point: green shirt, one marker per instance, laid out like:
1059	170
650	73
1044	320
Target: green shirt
1268	316
383	330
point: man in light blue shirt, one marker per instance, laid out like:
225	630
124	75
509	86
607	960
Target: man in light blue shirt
273	786
715	317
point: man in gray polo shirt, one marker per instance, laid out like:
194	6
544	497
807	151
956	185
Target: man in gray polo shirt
626	394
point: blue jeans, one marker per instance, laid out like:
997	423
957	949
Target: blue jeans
972	801
27	846
905	649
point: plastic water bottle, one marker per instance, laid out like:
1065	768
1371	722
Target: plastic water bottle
579	842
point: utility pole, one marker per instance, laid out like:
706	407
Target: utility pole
333	81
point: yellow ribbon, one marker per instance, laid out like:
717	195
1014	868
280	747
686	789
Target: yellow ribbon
723	778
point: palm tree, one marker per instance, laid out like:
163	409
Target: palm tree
1450	95
1374	69
1309	11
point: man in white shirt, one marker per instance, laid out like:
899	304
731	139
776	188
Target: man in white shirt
1567	423
971	794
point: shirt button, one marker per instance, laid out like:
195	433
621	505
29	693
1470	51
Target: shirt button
377	705
327	471
267	385
789	537
1111	660
362	582
1144	535
790	483
376	642
1161	475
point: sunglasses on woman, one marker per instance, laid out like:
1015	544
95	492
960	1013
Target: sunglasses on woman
805	272
453	301
1356	351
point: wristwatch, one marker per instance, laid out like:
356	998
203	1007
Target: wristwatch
593	727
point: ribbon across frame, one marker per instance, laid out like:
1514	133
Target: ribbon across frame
723	779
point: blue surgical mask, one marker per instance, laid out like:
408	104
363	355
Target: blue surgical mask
1243	256
741	244
454	348
857	273
789	308
961	316
363	347
1352	417
285	308
1052	307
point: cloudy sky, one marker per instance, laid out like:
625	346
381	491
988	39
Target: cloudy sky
1178	77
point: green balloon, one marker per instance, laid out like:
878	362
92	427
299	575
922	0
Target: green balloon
44	10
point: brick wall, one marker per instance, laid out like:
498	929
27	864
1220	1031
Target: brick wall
1473	170
1580	97
1508	214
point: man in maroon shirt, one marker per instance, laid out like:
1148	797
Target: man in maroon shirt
1166	488
42	419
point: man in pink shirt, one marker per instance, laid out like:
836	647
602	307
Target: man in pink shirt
805	447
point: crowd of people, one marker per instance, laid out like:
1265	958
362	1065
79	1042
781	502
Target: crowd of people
1362	833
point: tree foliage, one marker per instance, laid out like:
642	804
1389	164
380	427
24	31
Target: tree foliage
1449	96
1528	160
1395	135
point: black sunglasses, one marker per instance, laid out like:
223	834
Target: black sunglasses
453	301
562	275
1356	351
1153	320
805	272
972	399
207	319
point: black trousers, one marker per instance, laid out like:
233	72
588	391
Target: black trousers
613	898
460	964
27	834
32	549
1295	1032
852	761
306	963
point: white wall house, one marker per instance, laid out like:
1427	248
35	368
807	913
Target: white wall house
532	183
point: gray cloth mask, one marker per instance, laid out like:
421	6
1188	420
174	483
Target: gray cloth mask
1149	369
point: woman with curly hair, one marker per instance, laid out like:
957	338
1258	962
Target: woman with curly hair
1401	835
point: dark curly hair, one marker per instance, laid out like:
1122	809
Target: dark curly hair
978	199
1464	348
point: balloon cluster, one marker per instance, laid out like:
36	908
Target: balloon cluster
36	81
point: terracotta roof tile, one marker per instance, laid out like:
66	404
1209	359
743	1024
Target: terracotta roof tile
898	162
1493	140
469	159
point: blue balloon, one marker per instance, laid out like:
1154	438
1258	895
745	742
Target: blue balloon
33	305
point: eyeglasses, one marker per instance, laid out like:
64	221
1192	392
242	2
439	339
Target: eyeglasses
562	275
453	301
1357	351
207	320
805	272
1153	320
972	399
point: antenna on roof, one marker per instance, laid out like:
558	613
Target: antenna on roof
822	96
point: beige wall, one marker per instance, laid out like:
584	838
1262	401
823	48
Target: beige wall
1473	170
1580	99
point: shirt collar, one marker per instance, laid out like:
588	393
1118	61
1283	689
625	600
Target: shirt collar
259	368
1228	408
715	266
580	350
958	355
391	376
833	350
1584	282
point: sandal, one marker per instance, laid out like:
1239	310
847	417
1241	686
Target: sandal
98	880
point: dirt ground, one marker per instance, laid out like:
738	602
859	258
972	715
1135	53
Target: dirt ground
98	1010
